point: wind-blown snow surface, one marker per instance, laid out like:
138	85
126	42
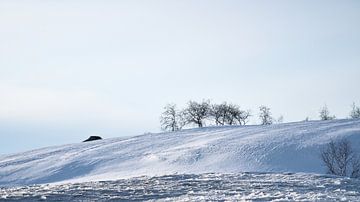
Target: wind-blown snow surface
203	187
290	147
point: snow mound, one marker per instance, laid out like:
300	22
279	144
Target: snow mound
290	147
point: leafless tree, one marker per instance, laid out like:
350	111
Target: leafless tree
233	113
197	113
325	114
238	116
355	166
171	119
229	114
244	117
265	116
340	159
355	111
220	113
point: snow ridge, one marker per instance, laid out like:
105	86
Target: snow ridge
289	147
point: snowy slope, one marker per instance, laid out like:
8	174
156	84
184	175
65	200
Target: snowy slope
290	147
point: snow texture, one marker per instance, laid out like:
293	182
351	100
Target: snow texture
203	187
290	147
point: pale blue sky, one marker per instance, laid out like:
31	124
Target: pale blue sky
69	69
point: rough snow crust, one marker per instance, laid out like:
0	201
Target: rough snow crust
290	147
204	187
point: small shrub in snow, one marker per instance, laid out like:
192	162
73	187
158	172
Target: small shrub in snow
340	159
355	112
265	116
325	114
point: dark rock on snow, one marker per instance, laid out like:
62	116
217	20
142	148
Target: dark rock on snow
92	138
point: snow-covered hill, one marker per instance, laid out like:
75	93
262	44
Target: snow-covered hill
290	147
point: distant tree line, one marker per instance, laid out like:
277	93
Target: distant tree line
202	113
325	115
199	113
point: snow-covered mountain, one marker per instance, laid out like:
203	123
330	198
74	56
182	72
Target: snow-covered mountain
289	147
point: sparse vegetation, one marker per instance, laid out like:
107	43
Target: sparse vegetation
171	119
355	111
201	114
340	159
325	114
265	115
205	113
196	113
229	114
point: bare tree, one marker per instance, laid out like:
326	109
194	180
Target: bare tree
171	119
265	116
325	114
355	166
229	114
355	112
340	159
243	117
197	113
238	116
220	113
233	112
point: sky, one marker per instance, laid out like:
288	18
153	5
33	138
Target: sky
70	69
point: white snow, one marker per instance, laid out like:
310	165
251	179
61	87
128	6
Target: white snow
290	147
203	187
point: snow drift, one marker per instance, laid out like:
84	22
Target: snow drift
290	147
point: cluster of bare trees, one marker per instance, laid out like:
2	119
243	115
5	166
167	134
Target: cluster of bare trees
324	113
199	113
229	114
340	159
